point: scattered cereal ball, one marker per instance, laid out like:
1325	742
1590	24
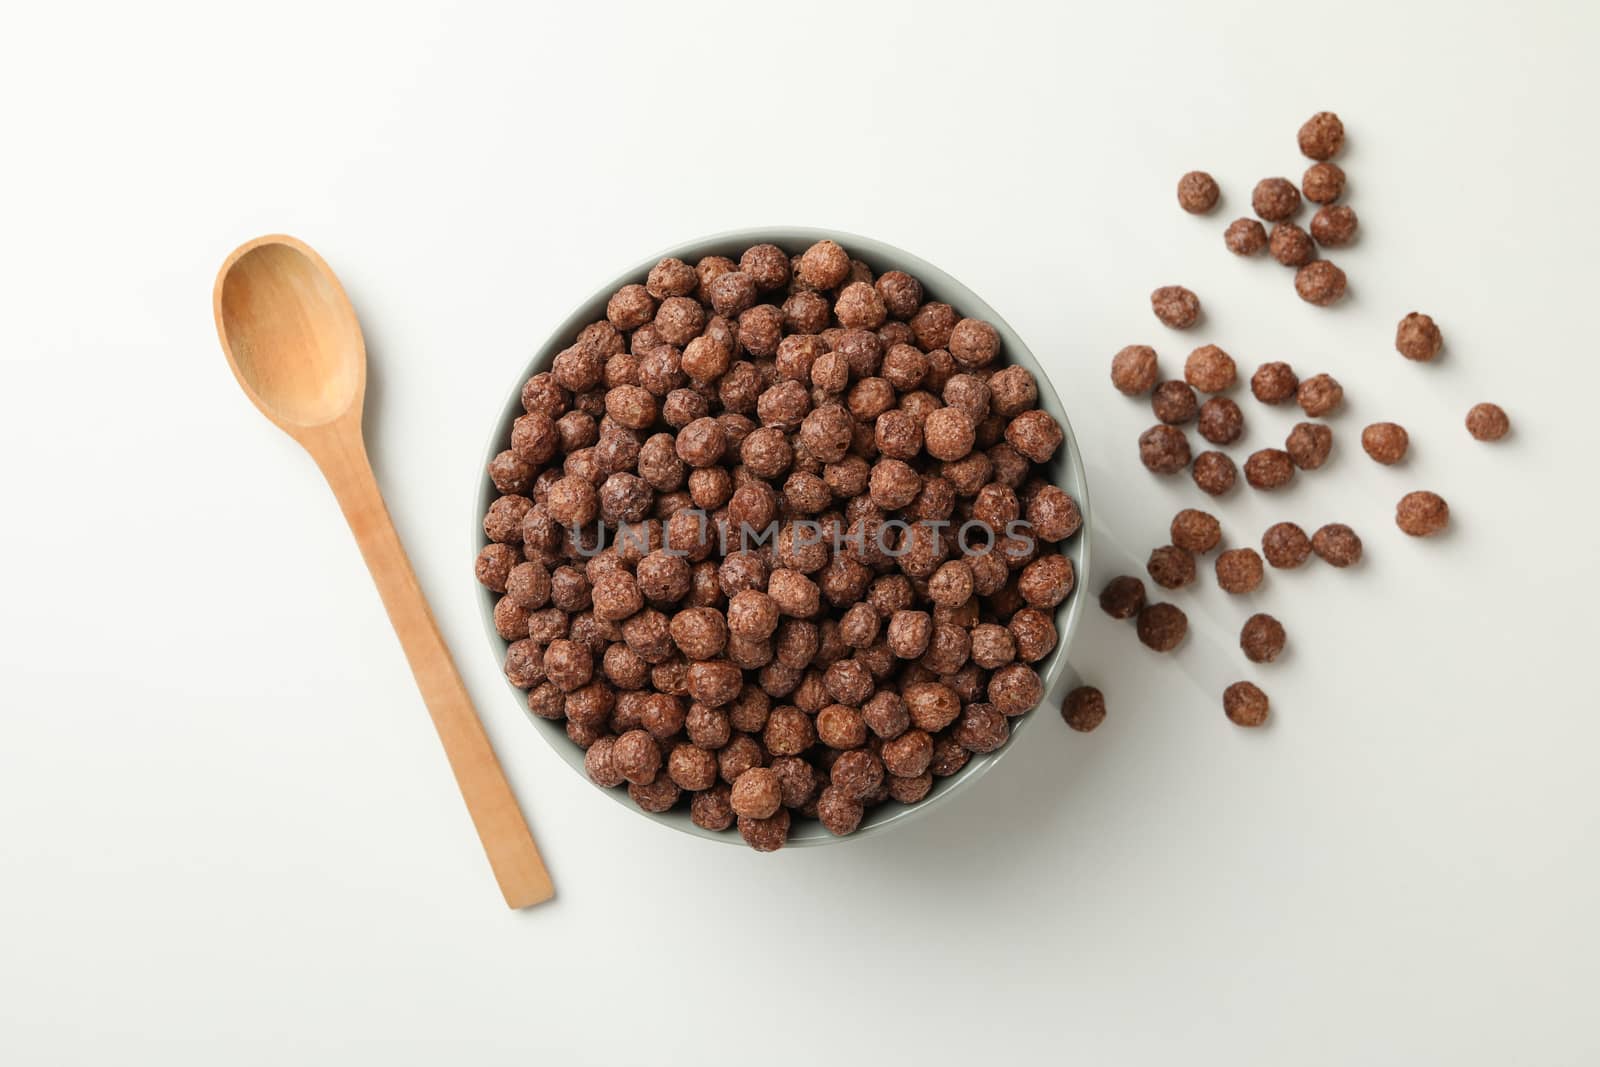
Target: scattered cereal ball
1171	567
1164	449
1195	531
1285	545
1323	183
1084	708
757	793
1422	514
1269	468
1321	136
1417	337
769	834
839	814
1488	422
1334	226
1275	199
1245	237
1291	246
1173	402
824	265
1122	597
1221	421
1273	383
1197	192
949	434
1308	444
1385	442
1319	282
494	565
1133	370
1214	473
1162	626
1035	434
1239	570
1262	638
1210	369
974	343
1244	704
1175	306
712	810
1337	544
1319	395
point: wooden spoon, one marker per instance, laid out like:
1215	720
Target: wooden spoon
295	346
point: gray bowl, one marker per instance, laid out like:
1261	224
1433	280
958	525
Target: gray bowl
1065	470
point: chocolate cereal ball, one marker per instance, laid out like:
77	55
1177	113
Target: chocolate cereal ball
1285	545
1210	369
1012	391
824	265
1308	444
757	793
1385	442
671	277
1035	434
1173	403
1014	689
1337	544
765	835
1239	570
838	812
1334	226
1162	626
1197	192
1214	473
1122	597
1164	449
1273	383
1319	395
1275	199
1175	306
1221	421
494	565
1171	567
1418	337
1488	422
1269	468
1245	704
1422	514
767	265
1245	237
630	307
712	809
1262	638
1319	282
974	343
1291	246
900	292
949	434
1134	371
1084	708
1321	136
1195	531
1323	183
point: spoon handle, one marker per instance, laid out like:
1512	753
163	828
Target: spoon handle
490	801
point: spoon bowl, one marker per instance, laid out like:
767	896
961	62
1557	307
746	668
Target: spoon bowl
290	334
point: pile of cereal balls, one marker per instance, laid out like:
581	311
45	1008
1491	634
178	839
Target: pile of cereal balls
774	542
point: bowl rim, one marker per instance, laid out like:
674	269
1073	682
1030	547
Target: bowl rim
943	287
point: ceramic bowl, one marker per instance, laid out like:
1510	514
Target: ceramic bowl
1065	470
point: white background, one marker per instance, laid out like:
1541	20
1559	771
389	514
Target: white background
229	834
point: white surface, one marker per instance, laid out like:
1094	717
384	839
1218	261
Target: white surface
230	835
